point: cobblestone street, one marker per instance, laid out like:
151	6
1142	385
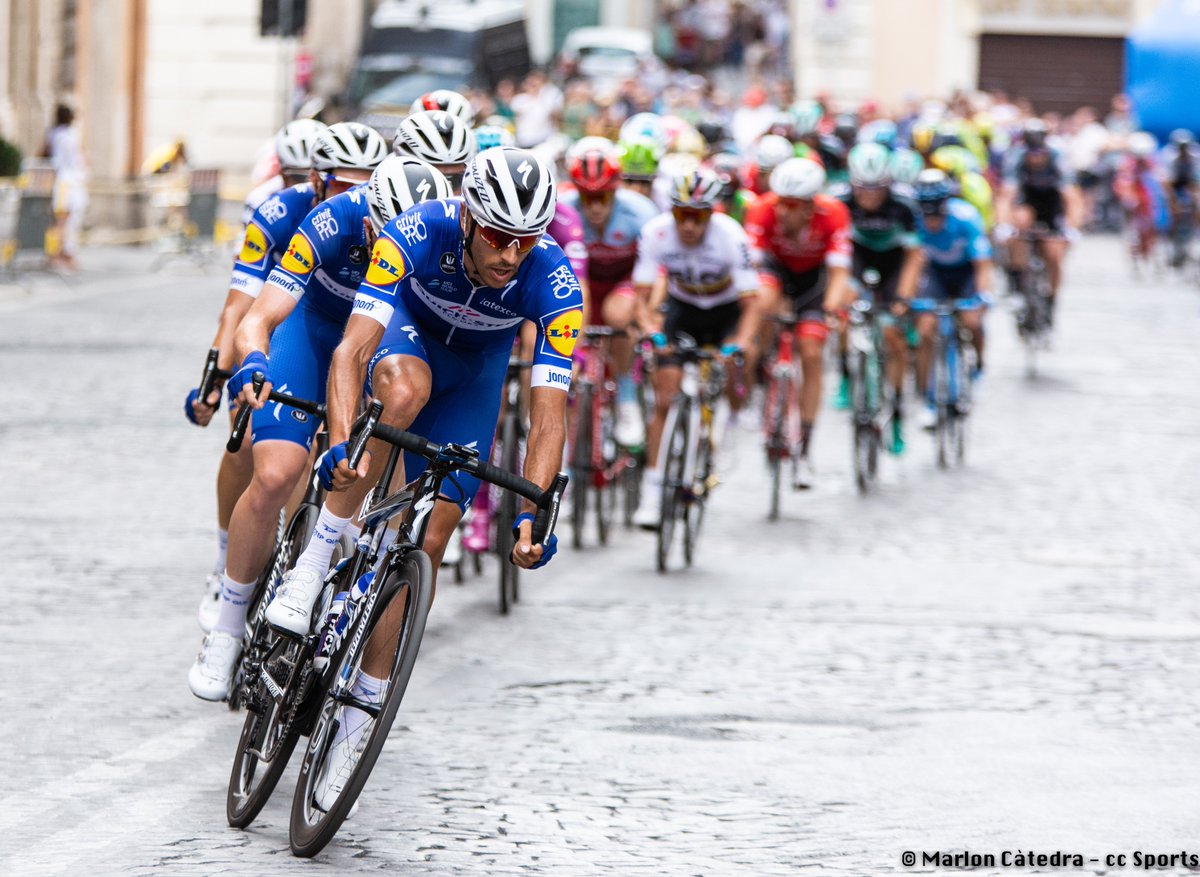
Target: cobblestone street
1001	657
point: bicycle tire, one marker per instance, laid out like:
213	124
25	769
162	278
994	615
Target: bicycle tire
631	488
693	510
581	463
862	418
672	485
506	513
941	396
604	483
308	835
244	799
775	416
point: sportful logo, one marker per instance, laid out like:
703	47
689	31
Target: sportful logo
325	225
448	263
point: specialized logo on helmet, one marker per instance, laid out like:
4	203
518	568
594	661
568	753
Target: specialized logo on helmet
387	265
563	332
255	245
299	256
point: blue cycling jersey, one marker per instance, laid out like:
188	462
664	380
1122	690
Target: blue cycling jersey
417	270
328	256
961	240
267	235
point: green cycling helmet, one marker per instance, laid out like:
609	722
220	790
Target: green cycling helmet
639	158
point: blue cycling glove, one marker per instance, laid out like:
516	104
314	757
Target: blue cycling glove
729	349
255	361
658	339
328	463
549	547
192	396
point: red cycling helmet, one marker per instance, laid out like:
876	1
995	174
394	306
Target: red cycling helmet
595	170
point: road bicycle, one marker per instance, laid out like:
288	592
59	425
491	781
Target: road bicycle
780	420
688	449
1033	312
953	363
869	390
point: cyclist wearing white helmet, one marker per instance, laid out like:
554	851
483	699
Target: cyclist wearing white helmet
433	326
696	262
803	237
770	152
264	242
886	261
440	138
447	100
291	146
289	335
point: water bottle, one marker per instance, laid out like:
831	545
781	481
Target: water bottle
342	612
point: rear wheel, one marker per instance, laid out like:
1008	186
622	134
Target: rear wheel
775	418
581	463
405	585
506	513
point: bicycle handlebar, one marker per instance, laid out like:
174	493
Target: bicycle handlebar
210	375
547	501
238	433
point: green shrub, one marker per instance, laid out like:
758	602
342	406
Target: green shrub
10	159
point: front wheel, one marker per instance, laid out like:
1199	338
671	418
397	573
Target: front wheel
405	589
506	514
581	464
673	455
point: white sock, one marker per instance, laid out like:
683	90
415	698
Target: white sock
354	721
222	547
326	534
234	599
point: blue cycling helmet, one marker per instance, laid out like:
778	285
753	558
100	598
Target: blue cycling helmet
933	191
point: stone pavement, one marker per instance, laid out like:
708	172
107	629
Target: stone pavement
1003	657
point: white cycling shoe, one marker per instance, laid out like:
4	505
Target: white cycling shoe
212	675
803	474
210	606
648	514
630	430
339	766
291	610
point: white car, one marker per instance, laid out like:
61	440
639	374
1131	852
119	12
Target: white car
607	53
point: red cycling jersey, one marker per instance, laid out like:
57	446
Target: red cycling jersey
825	240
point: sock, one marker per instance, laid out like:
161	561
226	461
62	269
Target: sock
845	359
806	430
326	534
626	389
222	547
898	408
235	596
354	721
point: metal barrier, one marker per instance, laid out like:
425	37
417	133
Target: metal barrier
34	217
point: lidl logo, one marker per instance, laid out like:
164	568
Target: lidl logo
299	256
387	265
563	332
255	245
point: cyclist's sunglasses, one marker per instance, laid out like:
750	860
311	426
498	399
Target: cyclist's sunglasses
698	215
502	240
604	197
794	203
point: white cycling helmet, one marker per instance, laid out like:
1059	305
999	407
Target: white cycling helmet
701	188
771	151
488	136
436	136
510	189
806	116
870	164
398	183
348	145
449	101
293	143
798	178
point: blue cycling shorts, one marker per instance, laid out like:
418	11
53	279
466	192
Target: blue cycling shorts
464	400
942	283
301	351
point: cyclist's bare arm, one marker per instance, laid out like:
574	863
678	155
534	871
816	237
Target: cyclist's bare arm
839	294
1073	206
910	273
237	305
543	457
983	276
271	308
347	371
650	298
749	319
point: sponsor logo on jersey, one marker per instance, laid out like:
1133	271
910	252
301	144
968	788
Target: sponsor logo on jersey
299	416
563	282
299	256
563	331
325	225
364	304
412	226
358	254
387	265
273	210
287	284
575	250
254	248
448	263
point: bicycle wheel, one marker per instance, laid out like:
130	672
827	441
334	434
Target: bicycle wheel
673	453
506	513
775	418
311	828
697	497
862	423
941	377
631	488
268	735
581	463
604	482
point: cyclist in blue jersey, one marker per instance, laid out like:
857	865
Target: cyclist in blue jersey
958	258
298	321
433	325
264	239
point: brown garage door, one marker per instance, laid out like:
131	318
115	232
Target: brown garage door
1058	74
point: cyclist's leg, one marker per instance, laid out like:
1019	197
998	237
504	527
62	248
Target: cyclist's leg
812	331
617	311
